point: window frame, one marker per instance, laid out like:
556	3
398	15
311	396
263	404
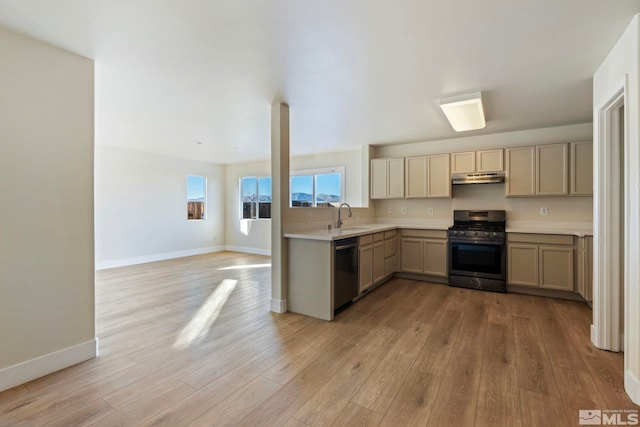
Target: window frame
257	217
205	205
314	172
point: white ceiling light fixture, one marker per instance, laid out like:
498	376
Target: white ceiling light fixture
464	112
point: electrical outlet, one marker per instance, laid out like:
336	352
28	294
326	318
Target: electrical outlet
404	210
543	211
309	218
429	211
388	211
357	215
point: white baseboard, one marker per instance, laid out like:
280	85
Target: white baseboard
102	265
632	386
279	305
248	250
44	365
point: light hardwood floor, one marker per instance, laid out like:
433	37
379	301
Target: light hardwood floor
191	342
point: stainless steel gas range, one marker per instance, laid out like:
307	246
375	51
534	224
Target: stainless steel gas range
477	250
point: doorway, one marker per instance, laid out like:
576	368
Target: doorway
611	214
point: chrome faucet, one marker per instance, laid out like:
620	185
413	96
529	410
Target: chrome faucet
339	223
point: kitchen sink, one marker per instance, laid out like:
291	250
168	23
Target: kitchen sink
354	229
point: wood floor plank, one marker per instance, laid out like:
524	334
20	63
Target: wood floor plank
411	405
542	410
148	406
498	389
532	364
608	376
457	397
436	351
218	390
356	415
10	395
84	416
283	404
380	388
432	304
557	341
490	418
325	406
499	308
578	390
238	405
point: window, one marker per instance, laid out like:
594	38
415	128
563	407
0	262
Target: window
255	197
317	187
196	197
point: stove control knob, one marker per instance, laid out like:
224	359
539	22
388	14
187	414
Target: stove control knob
462	232
494	234
475	233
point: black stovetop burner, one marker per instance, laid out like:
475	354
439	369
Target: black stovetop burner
479	220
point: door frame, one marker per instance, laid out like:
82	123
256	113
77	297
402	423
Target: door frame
609	224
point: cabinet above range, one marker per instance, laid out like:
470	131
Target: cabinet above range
482	161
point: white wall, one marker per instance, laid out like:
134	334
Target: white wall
46	205
255	235
141	208
621	67
490	196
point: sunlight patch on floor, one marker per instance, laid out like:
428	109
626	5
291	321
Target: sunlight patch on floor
199	326
241	267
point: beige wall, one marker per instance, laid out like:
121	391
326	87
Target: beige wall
490	196
46	225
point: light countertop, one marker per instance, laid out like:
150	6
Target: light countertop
339	233
355	230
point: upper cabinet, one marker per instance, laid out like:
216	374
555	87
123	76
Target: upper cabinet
550	170
552	175
428	176
463	162
521	169
490	160
438	176
477	161
416	177
387	178
581	169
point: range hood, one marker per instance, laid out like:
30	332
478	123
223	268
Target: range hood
477	178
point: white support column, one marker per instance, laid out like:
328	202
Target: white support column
279	204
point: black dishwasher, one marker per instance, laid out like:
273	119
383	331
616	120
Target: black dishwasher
345	271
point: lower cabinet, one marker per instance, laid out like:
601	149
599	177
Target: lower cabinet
425	252
540	261
365	252
378	261
584	267
390	250
377	254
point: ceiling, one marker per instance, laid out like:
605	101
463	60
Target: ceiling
172	73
